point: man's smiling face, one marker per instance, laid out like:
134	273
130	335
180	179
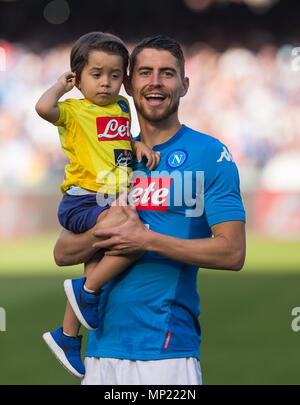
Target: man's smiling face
157	85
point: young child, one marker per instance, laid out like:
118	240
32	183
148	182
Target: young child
95	135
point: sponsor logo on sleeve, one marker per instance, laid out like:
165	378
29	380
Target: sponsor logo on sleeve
113	128
123	157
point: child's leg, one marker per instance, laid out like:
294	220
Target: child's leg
83	293
106	269
109	266
71	323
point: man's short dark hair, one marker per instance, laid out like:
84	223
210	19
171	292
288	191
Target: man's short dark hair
96	41
159	42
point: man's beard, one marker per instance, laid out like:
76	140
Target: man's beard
157	116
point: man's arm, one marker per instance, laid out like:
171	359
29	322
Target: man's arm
226	250
71	248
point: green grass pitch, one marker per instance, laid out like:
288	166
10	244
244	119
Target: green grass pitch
245	320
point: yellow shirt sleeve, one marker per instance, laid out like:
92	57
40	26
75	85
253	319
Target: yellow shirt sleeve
68	110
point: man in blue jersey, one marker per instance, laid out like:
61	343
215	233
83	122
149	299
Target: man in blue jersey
149	331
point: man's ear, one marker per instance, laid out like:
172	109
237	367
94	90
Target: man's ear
127	85
185	86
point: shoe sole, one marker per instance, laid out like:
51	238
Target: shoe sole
72	300
60	355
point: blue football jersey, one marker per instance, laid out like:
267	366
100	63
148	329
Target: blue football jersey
150	311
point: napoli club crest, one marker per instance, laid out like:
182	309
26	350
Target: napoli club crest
177	158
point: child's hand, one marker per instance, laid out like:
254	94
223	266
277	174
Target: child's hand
47	105
67	81
152	156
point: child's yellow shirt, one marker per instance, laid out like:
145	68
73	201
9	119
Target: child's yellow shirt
96	139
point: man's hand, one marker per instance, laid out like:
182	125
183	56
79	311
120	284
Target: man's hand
129	237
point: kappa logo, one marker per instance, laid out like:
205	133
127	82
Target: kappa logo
151	193
113	128
225	154
177	158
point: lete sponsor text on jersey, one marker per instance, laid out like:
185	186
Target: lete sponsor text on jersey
113	128
151	193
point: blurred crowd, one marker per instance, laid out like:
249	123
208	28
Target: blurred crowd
250	101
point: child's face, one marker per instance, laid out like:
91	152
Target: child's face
102	77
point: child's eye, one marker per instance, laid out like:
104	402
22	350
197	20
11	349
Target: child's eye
96	75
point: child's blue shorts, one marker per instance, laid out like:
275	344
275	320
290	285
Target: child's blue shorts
78	213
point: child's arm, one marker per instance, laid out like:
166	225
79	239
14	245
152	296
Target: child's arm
140	150
47	107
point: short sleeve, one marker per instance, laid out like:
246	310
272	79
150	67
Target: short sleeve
124	105
68	110
222	198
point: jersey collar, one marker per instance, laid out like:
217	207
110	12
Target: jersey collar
170	141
